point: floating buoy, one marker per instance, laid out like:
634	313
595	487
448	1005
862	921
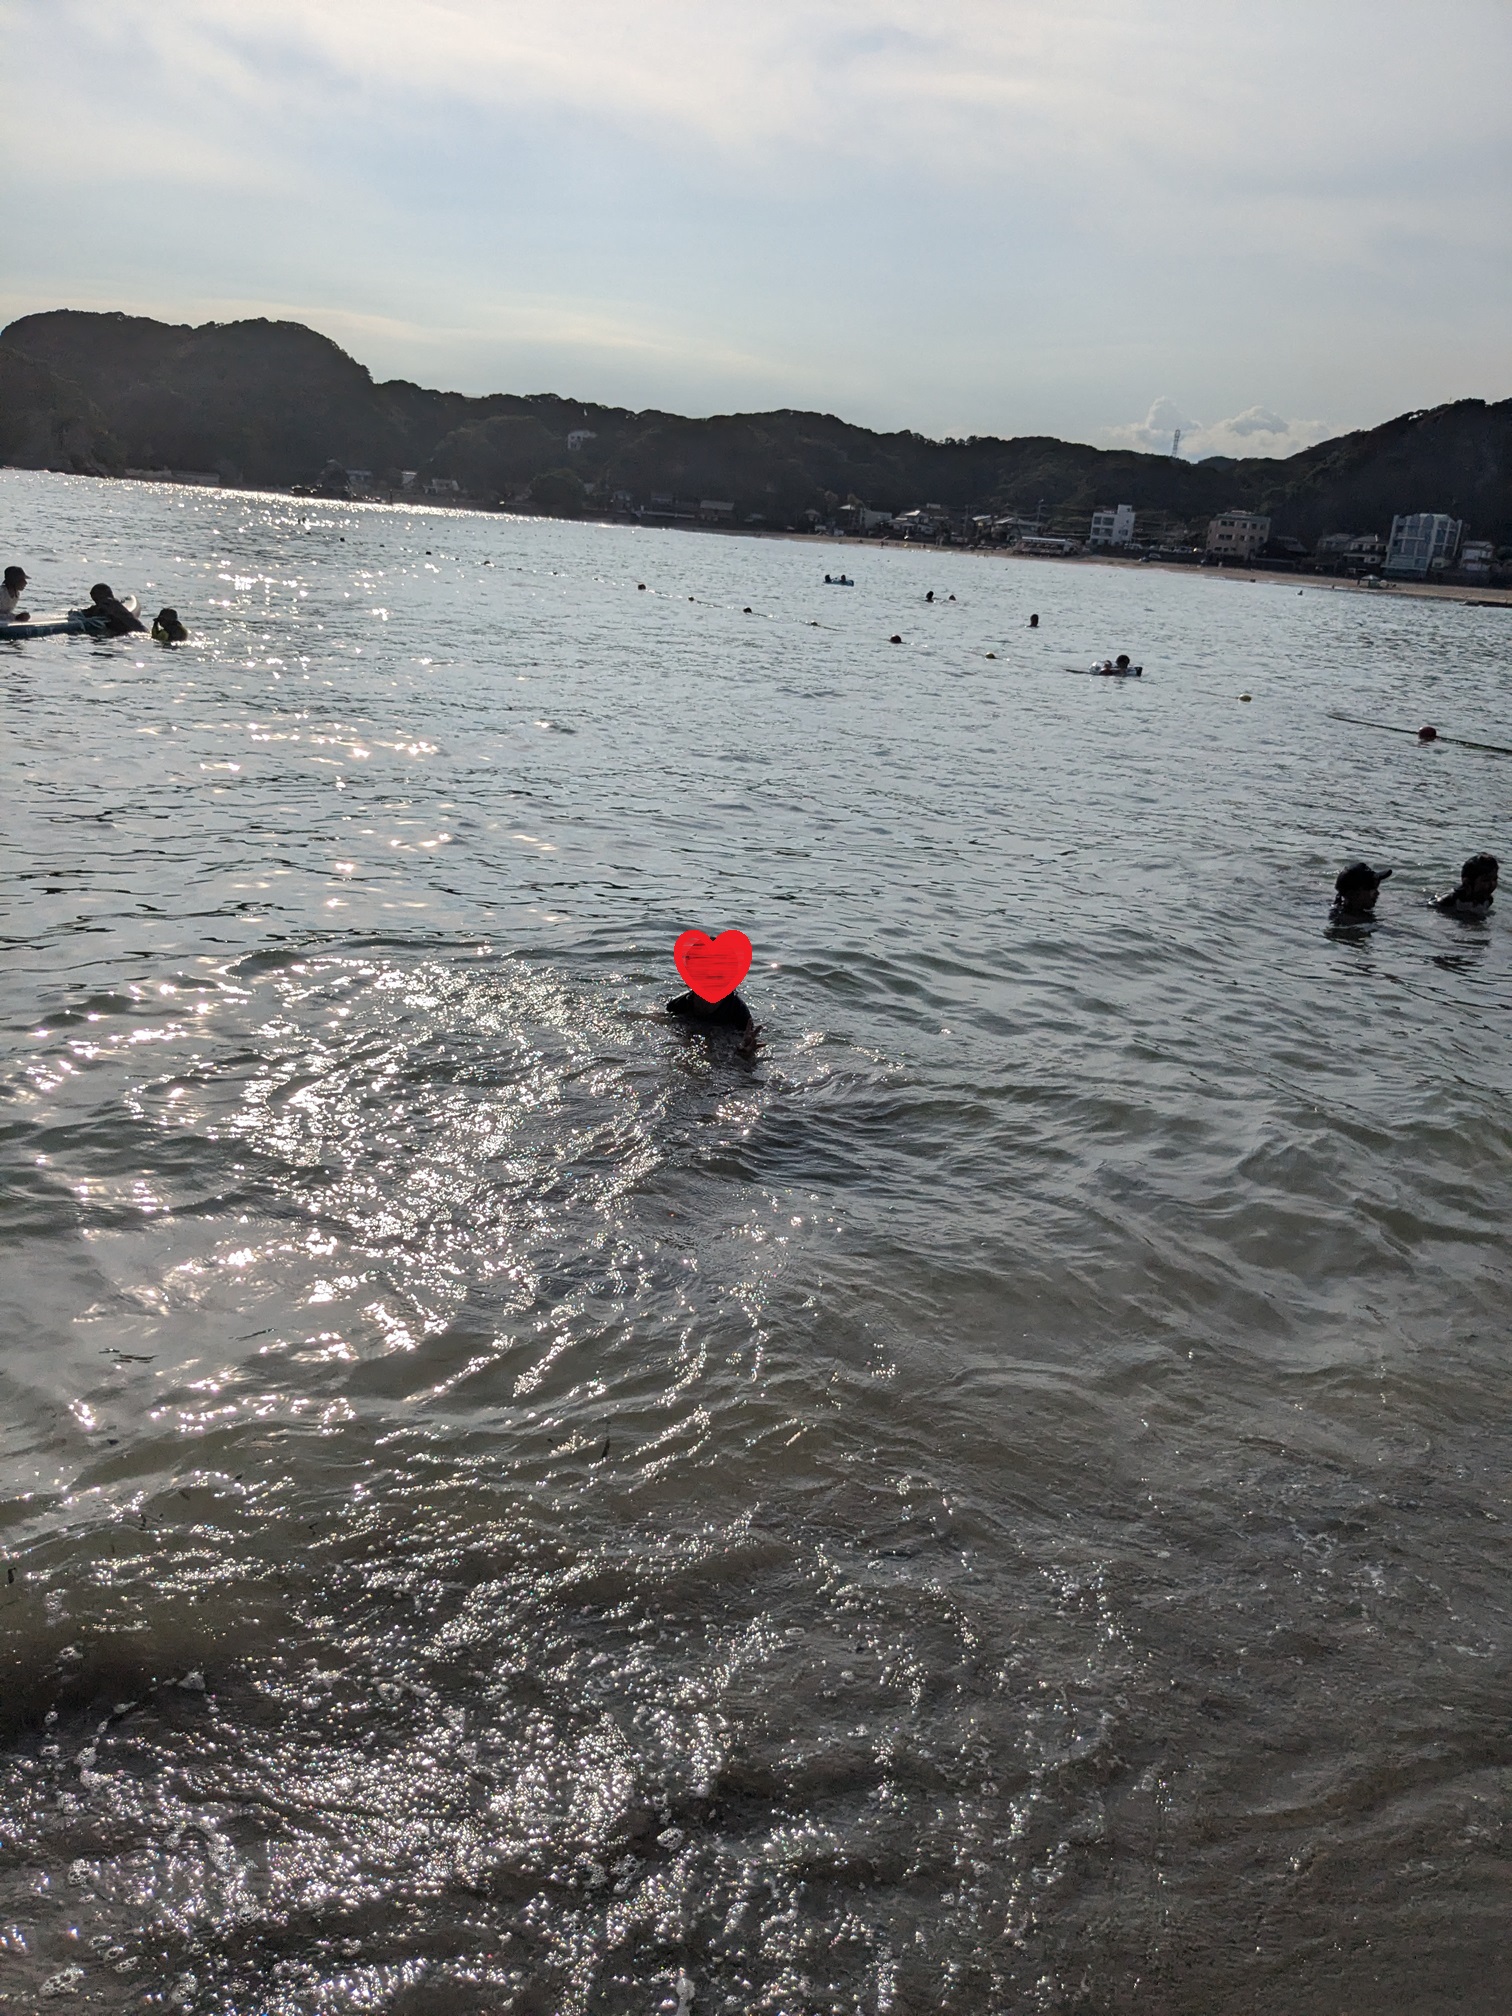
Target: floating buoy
1427	734
895	639
992	654
1246	696
747	610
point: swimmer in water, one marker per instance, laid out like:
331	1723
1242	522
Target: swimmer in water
107	613
1355	893
167	629
729	1013
10	595
1477	888
1034	622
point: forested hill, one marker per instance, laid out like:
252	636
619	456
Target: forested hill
275	403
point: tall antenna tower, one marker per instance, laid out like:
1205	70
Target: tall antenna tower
1175	444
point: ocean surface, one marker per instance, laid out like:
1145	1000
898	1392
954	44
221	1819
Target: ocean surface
1000	1504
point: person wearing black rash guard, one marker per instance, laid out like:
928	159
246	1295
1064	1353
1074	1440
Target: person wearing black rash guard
106	613
730	1013
1355	893
1477	888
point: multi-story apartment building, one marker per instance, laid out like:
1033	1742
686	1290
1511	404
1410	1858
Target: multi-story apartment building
1423	542
1237	535
1113	527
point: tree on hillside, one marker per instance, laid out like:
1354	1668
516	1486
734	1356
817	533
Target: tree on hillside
488	457
560	492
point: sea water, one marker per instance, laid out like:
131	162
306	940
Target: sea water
998	1503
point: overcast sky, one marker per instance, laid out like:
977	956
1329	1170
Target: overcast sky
1099	219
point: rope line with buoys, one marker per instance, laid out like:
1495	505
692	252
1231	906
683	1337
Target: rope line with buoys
1424	734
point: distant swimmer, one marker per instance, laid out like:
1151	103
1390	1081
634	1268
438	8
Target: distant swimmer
729	1013
1119	668
1034	622
930	596
167	629
1355	892
10	595
106	613
1477	888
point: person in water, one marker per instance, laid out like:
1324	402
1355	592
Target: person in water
10	594
730	1013
167	629
1355	892
112	616
1477	888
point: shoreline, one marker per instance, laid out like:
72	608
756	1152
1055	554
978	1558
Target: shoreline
1485	595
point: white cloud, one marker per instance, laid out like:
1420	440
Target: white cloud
1012	215
1255	431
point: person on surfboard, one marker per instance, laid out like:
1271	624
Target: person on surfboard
10	595
110	615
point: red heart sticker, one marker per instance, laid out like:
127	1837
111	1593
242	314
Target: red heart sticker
713	967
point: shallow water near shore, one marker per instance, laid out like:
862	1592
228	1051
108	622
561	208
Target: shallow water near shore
999	1504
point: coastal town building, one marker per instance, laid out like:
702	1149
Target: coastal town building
1237	535
1476	556
1113	527
1423	542
1350	552
1044	542
577	437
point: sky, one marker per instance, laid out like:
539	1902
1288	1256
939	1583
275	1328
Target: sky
1098	219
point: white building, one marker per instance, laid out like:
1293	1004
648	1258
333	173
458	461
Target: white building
1423	542
1113	527
1476	556
577	437
1044	542
1237	535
